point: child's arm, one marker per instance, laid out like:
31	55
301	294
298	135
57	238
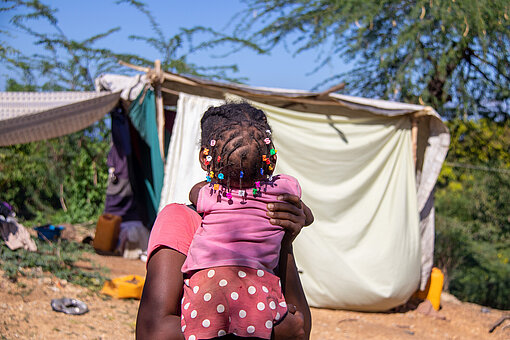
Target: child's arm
193	194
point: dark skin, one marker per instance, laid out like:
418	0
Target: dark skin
159	311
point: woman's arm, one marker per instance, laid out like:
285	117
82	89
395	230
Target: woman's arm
293	215
159	314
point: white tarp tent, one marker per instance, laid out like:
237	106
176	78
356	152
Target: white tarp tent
357	173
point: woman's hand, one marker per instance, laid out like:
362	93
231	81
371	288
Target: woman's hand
291	214
292	327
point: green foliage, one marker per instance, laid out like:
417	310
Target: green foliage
59	180
57	258
452	55
473	214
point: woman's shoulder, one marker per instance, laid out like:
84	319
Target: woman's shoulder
174	228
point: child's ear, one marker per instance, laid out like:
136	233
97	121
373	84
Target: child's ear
201	158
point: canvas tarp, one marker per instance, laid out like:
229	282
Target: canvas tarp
31	116
357	173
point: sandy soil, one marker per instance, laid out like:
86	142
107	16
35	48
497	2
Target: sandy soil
25	313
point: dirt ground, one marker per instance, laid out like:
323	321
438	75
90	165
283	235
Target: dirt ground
25	313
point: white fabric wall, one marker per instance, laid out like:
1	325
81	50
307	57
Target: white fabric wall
363	250
182	169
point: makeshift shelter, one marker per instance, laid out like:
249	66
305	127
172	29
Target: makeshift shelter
367	169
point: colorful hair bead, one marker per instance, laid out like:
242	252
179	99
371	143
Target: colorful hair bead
270	168
255	191
219	158
261	171
206	151
268	132
267	141
264	157
241	193
268	161
229	195
208	178
213	142
273	151
211	174
216	186
206	163
257	184
221	176
208	158
241	174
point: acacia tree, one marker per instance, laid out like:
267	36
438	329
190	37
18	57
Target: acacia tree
453	55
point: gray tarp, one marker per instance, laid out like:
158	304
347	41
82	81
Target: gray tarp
31	116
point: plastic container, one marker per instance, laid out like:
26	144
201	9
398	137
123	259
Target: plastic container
49	232
434	288
124	287
107	232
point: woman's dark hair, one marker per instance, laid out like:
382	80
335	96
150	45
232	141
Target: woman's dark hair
240	131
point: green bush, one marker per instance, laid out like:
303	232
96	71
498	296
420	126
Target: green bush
473	214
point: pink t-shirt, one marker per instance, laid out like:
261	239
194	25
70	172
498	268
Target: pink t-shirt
174	228
239	234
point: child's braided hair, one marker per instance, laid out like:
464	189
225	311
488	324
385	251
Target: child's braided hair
240	132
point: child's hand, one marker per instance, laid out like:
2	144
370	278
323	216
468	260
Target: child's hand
291	214
292	327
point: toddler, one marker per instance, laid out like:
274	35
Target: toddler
230	286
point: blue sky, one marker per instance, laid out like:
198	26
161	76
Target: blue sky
82	19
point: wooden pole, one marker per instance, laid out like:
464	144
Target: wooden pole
414	134
160	114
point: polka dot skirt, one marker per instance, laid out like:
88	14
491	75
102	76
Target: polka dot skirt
231	300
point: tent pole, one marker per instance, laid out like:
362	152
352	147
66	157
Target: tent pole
160	115
414	135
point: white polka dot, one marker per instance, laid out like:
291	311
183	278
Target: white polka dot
264	288
195	289
186	282
242	314
252	290
222	332
261	306
182	317
206	323
220	308
277	317
207	296
182	300
192	337
269	324
223	283
272	305
241	274
183	328
250	329
234	296
260	273
279	283
283	304
210	273
194	314
186	306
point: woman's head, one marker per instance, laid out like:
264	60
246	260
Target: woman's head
242	152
